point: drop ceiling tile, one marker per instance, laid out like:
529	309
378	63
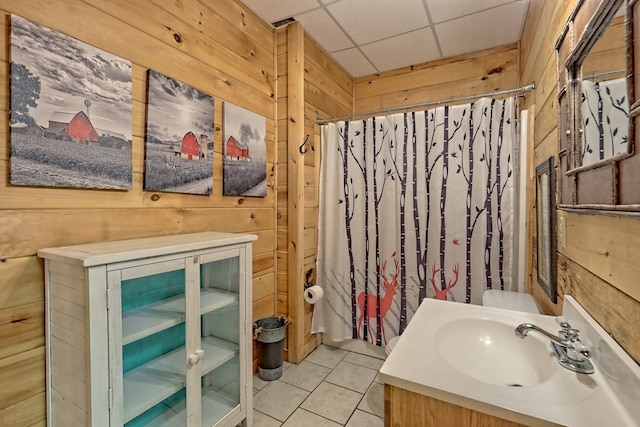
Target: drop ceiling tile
444	10
481	30
400	51
354	62
371	20
275	10
319	25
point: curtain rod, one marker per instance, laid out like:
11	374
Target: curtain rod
522	89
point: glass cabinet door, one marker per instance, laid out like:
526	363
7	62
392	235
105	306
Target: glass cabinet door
220	281
153	344
176	348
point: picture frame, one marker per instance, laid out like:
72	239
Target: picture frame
546	264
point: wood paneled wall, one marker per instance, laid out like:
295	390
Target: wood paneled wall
327	92
464	75
598	265
223	50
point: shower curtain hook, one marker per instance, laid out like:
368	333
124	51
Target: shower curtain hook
302	148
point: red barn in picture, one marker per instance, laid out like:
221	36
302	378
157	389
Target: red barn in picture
76	127
190	147
236	150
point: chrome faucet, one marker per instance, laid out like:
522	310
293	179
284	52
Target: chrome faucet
566	346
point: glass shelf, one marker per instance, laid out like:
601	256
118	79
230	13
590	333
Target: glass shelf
152	318
214	407
155	381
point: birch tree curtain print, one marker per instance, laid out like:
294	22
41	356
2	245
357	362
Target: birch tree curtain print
605	119
412	206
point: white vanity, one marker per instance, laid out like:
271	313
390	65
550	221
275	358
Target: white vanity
460	360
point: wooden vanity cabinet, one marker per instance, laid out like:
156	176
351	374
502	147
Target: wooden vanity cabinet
153	331
404	408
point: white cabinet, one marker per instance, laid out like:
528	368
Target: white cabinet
153	332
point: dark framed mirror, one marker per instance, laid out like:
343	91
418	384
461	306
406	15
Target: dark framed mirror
546	228
598	164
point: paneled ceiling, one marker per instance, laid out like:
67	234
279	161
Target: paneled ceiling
372	36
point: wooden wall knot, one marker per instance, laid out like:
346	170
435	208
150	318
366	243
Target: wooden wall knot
496	70
155	197
177	37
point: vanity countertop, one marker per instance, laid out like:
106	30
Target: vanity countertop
561	397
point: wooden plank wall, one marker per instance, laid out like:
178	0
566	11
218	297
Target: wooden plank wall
470	74
224	50
598	265
328	92
282	178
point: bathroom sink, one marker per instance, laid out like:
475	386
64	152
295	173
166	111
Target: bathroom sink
470	356
488	351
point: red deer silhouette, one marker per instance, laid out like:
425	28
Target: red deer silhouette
442	294
374	300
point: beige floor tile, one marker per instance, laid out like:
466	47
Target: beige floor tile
354	377
258	383
333	402
302	418
326	356
364	419
378	379
373	400
279	400
362	360
306	375
262	420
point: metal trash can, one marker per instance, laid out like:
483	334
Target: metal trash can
270	333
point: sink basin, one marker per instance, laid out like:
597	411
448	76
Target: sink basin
469	356
489	351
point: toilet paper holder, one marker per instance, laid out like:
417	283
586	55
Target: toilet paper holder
310	278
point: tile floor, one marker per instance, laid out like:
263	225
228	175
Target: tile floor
331	387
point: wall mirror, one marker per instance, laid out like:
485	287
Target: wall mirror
546	227
599	168
603	101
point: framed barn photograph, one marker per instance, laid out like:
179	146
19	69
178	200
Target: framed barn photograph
245	152
179	138
70	118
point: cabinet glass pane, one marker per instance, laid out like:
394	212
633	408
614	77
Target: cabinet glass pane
220	328
153	352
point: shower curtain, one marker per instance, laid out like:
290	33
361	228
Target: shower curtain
412	206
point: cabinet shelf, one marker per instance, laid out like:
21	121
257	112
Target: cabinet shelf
152	318
214	406
155	381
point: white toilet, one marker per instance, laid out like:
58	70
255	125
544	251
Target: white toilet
392	342
518	301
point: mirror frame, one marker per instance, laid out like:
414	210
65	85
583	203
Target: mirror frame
546	230
609	184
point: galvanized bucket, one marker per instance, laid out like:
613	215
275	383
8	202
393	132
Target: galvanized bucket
270	333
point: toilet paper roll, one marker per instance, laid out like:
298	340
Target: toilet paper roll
313	293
